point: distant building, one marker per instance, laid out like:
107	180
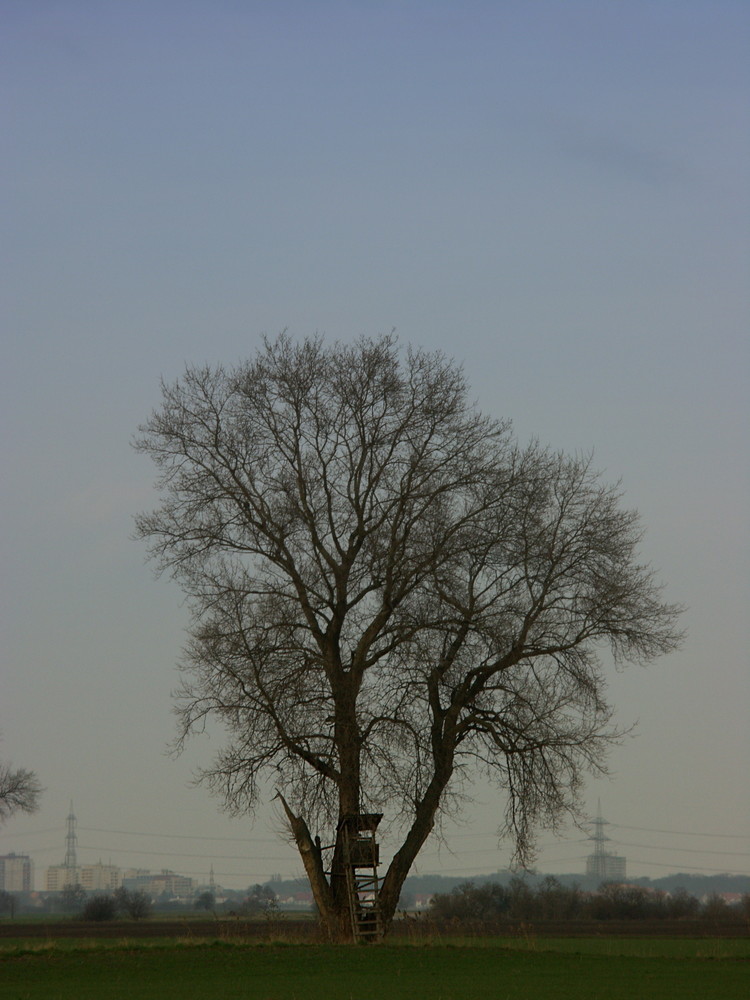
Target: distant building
603	865
100	878
606	867
16	873
68	873
93	878
166	884
60	877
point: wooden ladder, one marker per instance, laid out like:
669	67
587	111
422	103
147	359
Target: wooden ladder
361	856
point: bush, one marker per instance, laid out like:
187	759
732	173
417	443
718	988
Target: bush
261	899
471	903
100	908
8	903
519	901
550	900
136	905
716	909
71	900
554	901
681	905
621	902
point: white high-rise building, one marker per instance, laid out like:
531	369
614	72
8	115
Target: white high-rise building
16	873
61	876
603	865
93	878
606	867
100	878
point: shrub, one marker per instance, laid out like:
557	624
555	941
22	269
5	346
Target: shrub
471	903
135	905
681	905
625	902
261	899
716	908
100	908
554	901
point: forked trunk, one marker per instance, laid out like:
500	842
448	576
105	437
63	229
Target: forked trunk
331	898
406	855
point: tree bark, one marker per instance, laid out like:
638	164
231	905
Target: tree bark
328	905
421	828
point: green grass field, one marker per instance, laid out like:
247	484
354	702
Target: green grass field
563	969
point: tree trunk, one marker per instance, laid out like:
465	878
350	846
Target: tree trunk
332	897
419	831
348	743
329	906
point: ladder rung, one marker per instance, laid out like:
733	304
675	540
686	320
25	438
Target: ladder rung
363	889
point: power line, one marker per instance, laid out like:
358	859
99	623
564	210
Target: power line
245	876
182	836
685	868
631	862
681	833
685	850
176	854
32	833
250	842
269	840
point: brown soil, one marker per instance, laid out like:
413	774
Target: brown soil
307	930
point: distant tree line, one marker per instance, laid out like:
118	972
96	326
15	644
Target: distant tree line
481	902
257	900
135	905
75	901
696	885
469	904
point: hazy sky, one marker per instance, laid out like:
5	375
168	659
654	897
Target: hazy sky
555	193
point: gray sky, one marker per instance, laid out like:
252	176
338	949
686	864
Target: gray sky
554	193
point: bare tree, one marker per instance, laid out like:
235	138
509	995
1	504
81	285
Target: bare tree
19	791
389	594
135	904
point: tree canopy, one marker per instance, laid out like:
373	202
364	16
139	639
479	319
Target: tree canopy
19	791
388	594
